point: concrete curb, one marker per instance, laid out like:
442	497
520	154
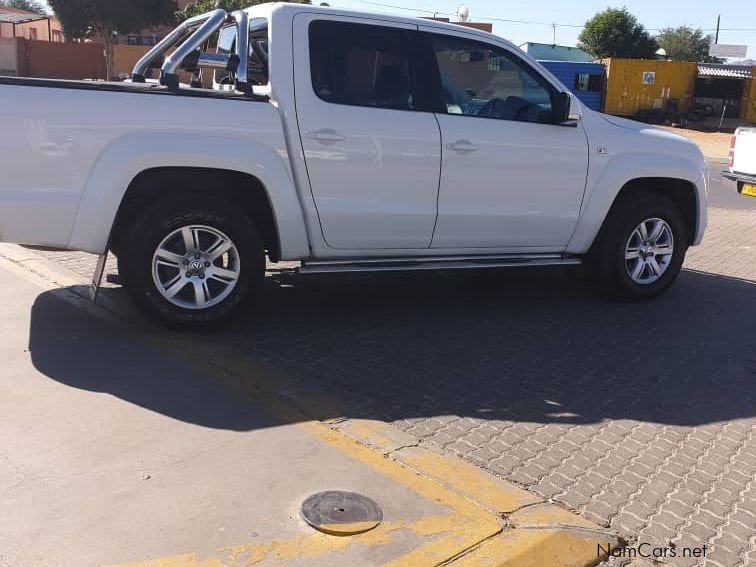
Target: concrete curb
493	522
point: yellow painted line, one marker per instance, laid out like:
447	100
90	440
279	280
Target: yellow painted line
311	545
499	496
548	516
537	548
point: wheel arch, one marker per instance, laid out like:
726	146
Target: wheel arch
241	190
680	191
244	170
683	184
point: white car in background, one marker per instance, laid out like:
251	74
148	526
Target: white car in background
742	161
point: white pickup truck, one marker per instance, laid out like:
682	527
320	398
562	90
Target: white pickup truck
742	161
347	141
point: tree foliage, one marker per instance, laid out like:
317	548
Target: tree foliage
100	19
28	5
202	6
617	33
89	18
686	44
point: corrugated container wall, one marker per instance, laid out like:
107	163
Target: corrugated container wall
749	99
641	84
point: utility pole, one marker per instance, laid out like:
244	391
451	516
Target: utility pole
716	37
554	26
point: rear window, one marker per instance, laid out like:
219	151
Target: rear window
258	51
361	65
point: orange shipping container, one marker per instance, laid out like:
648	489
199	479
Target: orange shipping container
748	108
641	84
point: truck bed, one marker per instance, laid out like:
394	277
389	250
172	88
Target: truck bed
56	132
123	87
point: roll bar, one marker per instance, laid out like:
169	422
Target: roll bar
189	38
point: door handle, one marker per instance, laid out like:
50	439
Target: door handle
326	135
462	146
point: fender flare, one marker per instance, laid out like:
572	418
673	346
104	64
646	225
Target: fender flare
126	157
601	194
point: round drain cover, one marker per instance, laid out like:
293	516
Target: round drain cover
338	512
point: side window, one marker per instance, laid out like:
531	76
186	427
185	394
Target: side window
361	65
258	51
488	82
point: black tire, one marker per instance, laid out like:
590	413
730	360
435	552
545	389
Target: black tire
148	231
609	257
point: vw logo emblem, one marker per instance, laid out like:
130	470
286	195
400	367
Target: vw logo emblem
196	265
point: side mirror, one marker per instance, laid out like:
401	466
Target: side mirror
561	108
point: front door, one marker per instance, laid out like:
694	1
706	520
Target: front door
511	178
372	157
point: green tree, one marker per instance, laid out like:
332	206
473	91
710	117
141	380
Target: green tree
617	33
28	5
202	6
101	19
686	44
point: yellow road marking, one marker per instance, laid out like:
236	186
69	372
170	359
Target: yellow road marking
537	548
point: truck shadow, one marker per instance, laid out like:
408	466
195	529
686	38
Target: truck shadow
528	346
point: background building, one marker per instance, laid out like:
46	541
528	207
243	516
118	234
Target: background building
29	25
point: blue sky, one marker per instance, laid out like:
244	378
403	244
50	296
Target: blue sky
651	13
736	15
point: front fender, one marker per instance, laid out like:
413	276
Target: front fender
132	154
601	194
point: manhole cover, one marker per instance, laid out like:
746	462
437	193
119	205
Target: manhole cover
338	512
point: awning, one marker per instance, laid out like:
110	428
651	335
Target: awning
18	17
724	71
11	18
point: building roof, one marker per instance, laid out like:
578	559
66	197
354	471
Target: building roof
724	71
15	16
547	51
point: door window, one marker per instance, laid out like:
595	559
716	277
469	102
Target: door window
489	82
361	65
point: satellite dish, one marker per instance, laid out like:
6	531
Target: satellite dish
463	13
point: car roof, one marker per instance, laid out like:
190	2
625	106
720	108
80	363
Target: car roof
289	9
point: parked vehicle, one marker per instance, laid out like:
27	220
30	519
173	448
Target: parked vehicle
347	141
742	161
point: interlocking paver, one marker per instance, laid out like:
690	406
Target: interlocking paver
640	416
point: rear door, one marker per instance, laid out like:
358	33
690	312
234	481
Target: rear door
372	152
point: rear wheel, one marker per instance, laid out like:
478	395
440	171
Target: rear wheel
643	248
192	263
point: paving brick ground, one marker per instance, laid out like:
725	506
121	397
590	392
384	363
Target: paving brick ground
640	416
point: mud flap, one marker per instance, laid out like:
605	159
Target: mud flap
94	288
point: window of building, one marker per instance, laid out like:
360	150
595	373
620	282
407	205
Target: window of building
588	83
141	40
486	81
361	65
32	33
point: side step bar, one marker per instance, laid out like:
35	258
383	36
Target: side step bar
436	263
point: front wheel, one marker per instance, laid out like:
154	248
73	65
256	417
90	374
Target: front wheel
192	264
643	248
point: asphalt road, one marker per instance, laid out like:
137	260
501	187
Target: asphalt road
724	194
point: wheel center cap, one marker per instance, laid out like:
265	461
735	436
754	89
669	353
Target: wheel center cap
196	266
